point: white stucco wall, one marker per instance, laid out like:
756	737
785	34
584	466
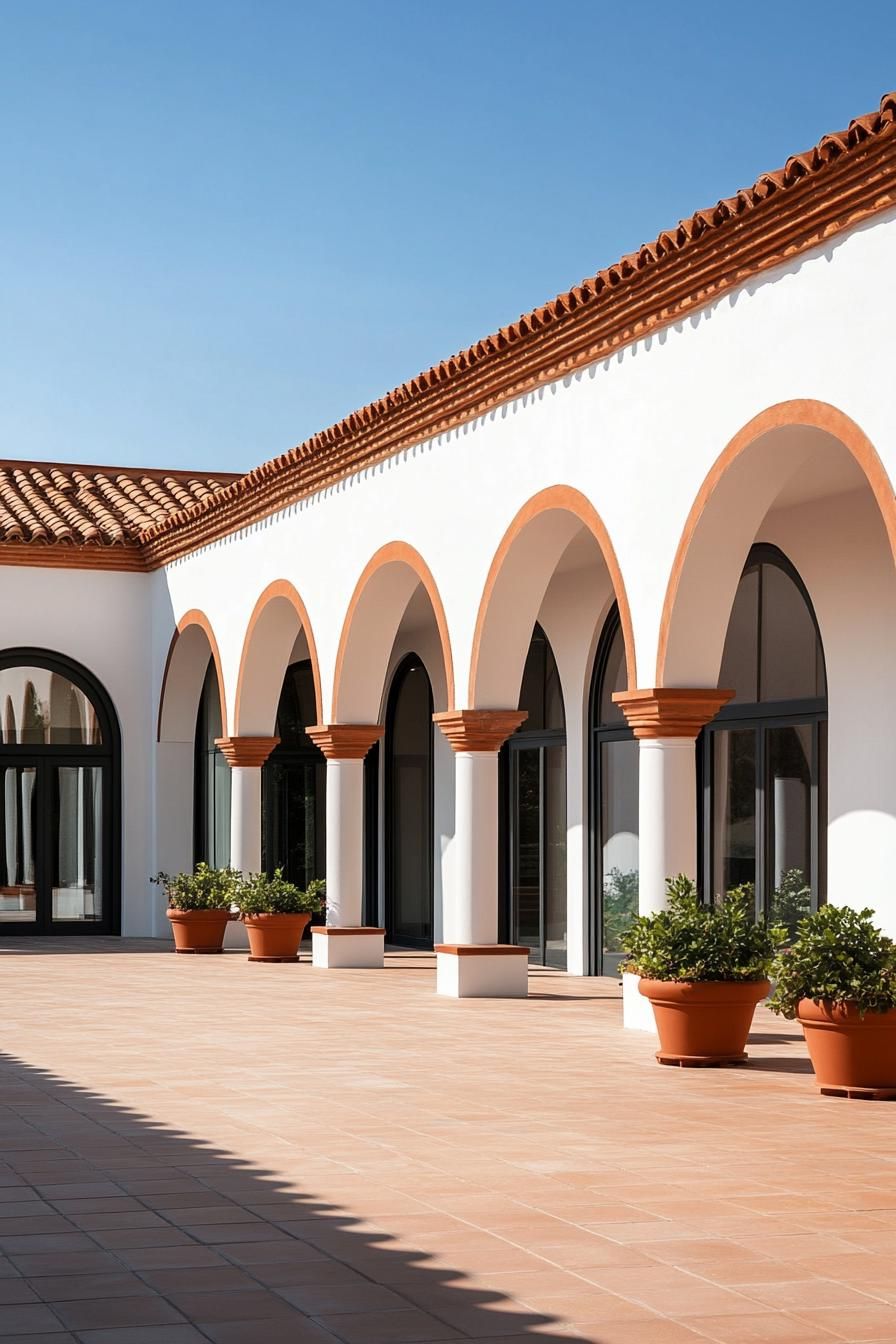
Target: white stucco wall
101	620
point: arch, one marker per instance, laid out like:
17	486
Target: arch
265	656
186	663
798	414
554	499
390	578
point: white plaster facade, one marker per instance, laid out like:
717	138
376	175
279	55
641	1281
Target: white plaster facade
631	441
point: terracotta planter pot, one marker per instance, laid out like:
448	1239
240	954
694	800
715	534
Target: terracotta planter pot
199	930
703	1023
852	1056
275	937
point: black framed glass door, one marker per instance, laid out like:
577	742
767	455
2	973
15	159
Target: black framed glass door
59	798
536	773
53	852
409	832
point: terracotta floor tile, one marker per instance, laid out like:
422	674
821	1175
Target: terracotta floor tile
359	1199
853	1323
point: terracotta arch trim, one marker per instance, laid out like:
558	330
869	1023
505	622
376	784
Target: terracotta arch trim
569	500
786	414
397	552
193	617
279	588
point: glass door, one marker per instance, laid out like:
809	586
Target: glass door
52	865
18	877
537	815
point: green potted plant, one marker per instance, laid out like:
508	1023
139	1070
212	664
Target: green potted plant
200	905
704	968
838	980
276	914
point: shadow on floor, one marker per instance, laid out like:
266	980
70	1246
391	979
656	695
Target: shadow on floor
111	1220
779	1064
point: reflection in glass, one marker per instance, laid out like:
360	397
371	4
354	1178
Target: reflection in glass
77	877
45	708
789	800
212	780
410	867
18	894
294	785
525	863
734	809
619	841
555	856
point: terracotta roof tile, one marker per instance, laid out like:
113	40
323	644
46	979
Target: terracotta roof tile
54	503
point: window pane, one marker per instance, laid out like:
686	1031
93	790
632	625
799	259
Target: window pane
411	849
540	693
525	876
555	856
18	894
77	857
740	659
792	665
615	679
619	845
41	707
733	810
789	804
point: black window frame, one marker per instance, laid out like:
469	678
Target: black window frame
107	755
763	717
408	663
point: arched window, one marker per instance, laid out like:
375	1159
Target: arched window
614	767
534	774
60	796
763	756
211	780
409	806
293	785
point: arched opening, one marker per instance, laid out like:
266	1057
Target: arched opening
802	478
614	802
534	811
395	622
211	780
192	703
764	756
293	785
409	833
60	795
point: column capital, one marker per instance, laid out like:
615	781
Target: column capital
670	711
479	729
246	750
345	741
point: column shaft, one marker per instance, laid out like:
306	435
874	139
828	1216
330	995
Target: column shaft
345	841
667	803
472	915
245	818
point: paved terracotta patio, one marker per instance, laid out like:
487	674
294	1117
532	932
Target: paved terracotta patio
202	1149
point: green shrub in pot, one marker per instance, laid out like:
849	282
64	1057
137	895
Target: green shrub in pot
263	894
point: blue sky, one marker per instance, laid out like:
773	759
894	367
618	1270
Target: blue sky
225	225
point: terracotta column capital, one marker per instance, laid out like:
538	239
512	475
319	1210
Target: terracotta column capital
670	711
345	741
479	729
246	750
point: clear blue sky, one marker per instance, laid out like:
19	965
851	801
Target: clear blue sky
227	223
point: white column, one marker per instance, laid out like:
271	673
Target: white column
245	818
666	722
473	904
471	963
345	842
667	804
345	941
245	756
